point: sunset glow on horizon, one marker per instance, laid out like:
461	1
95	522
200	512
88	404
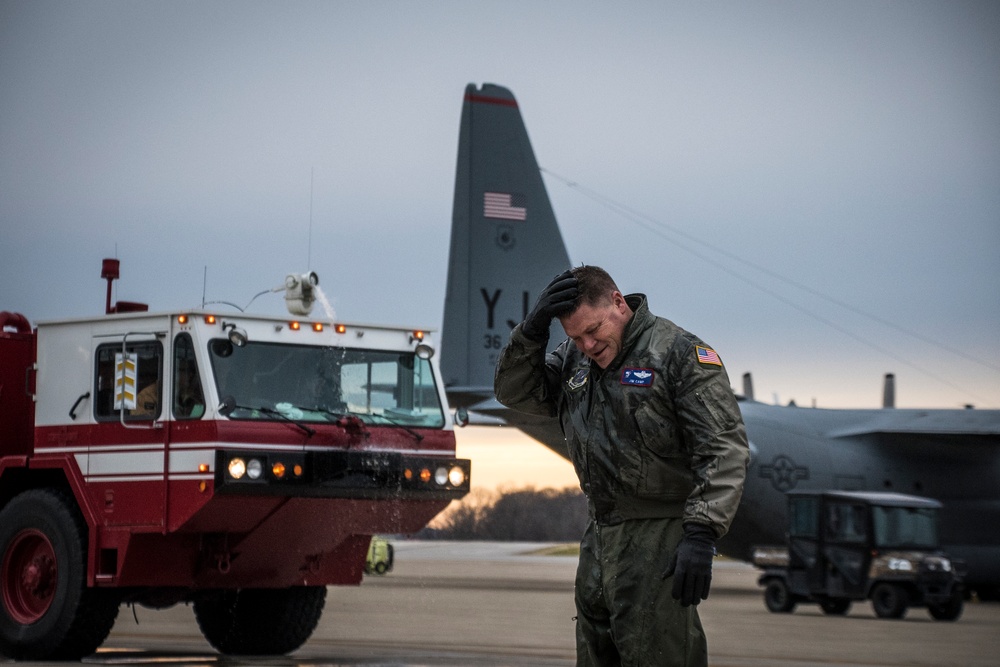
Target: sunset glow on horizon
505	458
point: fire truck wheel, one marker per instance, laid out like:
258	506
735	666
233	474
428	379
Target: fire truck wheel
890	600
259	621
47	611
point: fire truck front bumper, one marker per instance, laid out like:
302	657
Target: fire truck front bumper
341	474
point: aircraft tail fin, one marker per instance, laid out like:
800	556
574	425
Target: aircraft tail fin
505	242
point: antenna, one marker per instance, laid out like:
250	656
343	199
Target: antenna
312	172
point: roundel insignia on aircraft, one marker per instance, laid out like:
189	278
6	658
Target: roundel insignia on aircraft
783	473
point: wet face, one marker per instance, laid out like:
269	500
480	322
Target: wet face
597	330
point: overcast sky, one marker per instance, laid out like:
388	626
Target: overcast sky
793	168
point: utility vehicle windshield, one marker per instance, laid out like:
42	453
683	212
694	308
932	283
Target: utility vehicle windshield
905	527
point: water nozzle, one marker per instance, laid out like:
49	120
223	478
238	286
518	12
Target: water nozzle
299	292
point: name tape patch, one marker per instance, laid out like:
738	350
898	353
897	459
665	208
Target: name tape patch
638	377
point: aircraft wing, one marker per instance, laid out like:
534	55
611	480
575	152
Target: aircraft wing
543	429
485	410
966	424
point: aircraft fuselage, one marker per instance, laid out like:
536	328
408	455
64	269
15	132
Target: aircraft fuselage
948	455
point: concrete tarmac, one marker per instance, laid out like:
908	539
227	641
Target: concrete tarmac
486	604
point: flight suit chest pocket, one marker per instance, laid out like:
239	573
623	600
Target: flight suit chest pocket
664	466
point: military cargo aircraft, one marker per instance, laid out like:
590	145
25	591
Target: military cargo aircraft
506	246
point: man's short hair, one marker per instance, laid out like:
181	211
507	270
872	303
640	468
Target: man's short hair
594	284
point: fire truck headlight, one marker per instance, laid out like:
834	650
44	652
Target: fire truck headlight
441	476
237	468
456	476
236	336
254	469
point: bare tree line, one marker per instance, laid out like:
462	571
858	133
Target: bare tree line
522	515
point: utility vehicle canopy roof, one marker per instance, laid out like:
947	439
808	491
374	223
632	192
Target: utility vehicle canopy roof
883	498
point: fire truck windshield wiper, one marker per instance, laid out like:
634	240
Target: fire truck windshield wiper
347	420
229	404
332	415
392	421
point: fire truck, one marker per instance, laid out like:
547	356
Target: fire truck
234	462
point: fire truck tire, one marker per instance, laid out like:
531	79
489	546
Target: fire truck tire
259	621
46	609
890	600
777	598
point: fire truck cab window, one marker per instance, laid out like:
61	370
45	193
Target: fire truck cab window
308	383
189	400
128	381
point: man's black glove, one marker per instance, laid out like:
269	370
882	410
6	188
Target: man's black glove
556	299
691	564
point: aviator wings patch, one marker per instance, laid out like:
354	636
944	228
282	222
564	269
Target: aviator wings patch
638	377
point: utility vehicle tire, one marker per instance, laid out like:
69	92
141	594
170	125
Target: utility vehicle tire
777	597
46	610
835	606
947	611
259	621
890	600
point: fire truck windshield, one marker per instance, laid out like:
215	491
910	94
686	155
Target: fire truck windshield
271	381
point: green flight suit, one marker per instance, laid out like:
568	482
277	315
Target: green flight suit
657	441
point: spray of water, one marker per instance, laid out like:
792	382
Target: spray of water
321	297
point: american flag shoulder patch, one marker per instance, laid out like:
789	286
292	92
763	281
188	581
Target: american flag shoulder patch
707	355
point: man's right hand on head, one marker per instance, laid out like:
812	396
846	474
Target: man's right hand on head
556	299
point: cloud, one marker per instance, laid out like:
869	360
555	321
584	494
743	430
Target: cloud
851	147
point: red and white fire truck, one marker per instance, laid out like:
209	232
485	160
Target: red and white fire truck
235	462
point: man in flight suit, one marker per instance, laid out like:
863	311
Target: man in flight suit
658	442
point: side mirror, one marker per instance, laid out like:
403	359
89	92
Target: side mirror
227	406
